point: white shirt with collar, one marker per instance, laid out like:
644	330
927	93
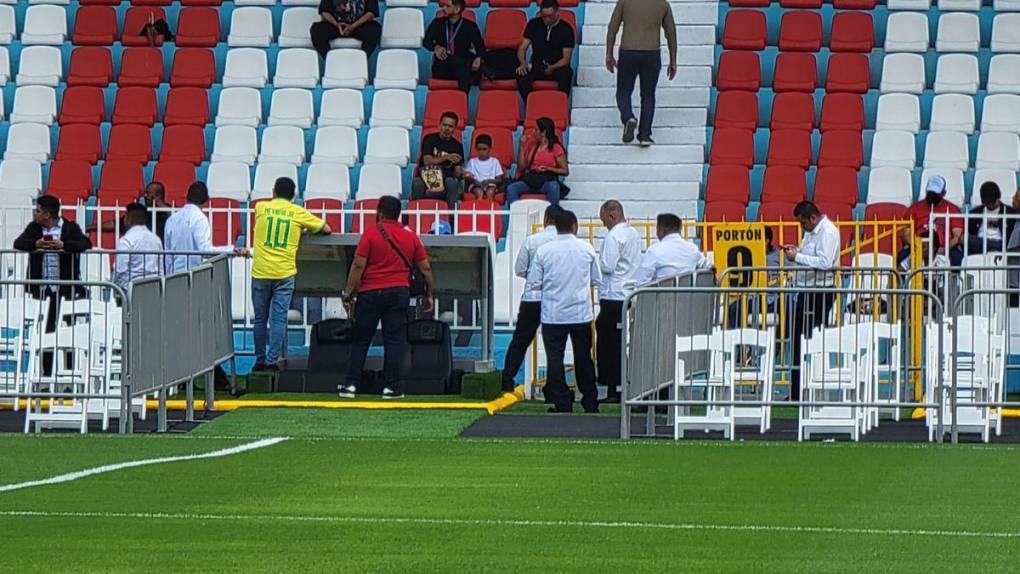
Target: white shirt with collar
563	271
526	256
51	260
128	268
619	259
819	249
188	230
671	256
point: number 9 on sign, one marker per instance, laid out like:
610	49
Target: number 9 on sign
739	245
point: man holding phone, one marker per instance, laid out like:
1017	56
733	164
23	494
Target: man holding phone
552	44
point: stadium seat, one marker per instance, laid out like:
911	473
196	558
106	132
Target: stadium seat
1004	74
44	24
998	150
502	144
952	113
854	4
1004	178
803	4
890	185
94	26
183	143
292	107
780	212
5	66
836	185
728	183
135	20
439	102
20	177
342	107
731	211
403	28
848	73
345	68
736	109
82	104
1005	33
470	220
739	70
229	180
239	106
80	142
789	148
90	66
393	108
28	141
365	208
903	73
946	149
852	32
792	110
552	104
135	106
1006	5
176	177
296	68
889	240
235	144
749	3
8	28
193	67
893	148
1001	113
282	144
141	67
251	27
295	25
266	175
199	27
961	5
327	181
800	31
388	145
327	208
954	184
186	106
129	142
842	112
396	69
795	72
40	66
120	182
375	181
956	73
731	146
498	109
246	68
421	223
744	30
34	104
336	144
899	112
504	28
784	183
841	148
70	181
958	32
906	32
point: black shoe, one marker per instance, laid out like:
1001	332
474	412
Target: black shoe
508	386
559	410
628	130
258	368
645	142
611	400
388	393
347	391
592	410
272	368
238	392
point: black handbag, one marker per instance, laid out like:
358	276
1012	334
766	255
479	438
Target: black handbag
415	280
536	179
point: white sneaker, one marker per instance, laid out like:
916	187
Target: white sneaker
388	393
347	391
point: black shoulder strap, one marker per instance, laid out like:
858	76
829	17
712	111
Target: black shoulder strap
400	254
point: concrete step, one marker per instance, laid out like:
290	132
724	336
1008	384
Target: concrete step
703	13
688	56
633	154
596	191
635	210
610	117
612	135
665	97
622	174
686	77
686	34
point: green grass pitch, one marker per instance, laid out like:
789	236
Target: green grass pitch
397	491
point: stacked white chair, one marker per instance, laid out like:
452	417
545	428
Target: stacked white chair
328	181
20	177
1004	74
958	32
998	150
1001	113
5	66
403	28
1006	33
954	184
377	180
8	29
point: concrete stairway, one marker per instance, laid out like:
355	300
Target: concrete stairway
666	176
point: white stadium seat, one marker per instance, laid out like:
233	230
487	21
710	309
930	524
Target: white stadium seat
328	181
956	73
298	2
407	3
954	183
40	66
239	107
906	32
235	144
295	26
292	107
54	2
44	25
230	180
8	29
1005	33
345	69
893	148
296	68
5	66
952	113
247	68
336	144
251	27
909	4
28	141
266	175
20	177
1001	113
962	5
946	149
1004	74
903	73
958	32
1004	178
34	104
403	28
998	150
282	144
899	112
393	108
890	185
388	145
255	2
1006	5
396	69
378	180
342	107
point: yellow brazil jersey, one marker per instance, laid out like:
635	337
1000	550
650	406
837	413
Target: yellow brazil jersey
278	227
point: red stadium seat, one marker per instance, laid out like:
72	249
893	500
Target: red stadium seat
82	105
790	147
728	183
852	32
551	104
186	106
720	211
195	67
739	71
469	220
744	30
837	212
201	2
90	66
94	26
504	28
226	225
793	111
841	148
441	101
321	205
780	212
888	238
732	146
842	112
360	220
183	143
749	3
854	4
135	106
736	109
70	180
502	144
120	182
848	73
836	185
795	72
800	31
422	223
80	142
99	2
130	142
510	3
198	27
498	109
803	4
135	20
783	183
151	2
175	176
141	67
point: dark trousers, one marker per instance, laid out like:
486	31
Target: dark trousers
976	245
810	312
455	68
451	191
555	339
633	64
609	339
389	306
955	256
323	33
562	76
529	318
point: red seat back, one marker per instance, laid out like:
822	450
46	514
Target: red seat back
550	104
744	30
82	105
135	19
848	73
81	142
790	147
141	67
70	180
90	66
731	146
852	32
784	184
504	28
780	212
194	67
94	26
736	109
728	183
800	31
130	142
793	110
841	148
360	220
186	106
498	109
321	205
183	143
469	218
441	101
135	106
120	182
502	144
198	27
842	112
739	70
421	223
836	185
795	72
176	177
225	220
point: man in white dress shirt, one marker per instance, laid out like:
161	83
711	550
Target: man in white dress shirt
814	264
618	260
564	271
671	256
188	230
529	313
130	266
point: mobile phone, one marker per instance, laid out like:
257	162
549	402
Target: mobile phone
48	237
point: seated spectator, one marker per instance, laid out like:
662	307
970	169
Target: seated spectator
130	266
552	43
988	226
441	166
347	19
154	197
935	202
484	176
540	164
456	45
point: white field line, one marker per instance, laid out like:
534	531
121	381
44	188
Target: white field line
136	463
676	526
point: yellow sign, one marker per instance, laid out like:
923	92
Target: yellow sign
739	245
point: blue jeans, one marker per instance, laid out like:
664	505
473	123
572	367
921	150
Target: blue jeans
389	306
551	190
271	300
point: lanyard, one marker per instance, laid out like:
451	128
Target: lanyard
452	36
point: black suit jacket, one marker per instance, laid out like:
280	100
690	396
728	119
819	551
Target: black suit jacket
75	241
975	223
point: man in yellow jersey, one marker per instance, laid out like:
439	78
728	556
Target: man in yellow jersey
278	228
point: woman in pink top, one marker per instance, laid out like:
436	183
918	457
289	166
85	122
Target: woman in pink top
540	165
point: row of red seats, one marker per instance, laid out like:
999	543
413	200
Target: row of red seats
498	108
806	4
833	185
794	72
120	181
131	142
799	31
97	26
790	110
734	146
93	66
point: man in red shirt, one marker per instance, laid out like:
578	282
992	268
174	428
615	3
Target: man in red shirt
378	290
935	202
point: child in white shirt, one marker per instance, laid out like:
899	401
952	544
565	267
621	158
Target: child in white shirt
484	175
